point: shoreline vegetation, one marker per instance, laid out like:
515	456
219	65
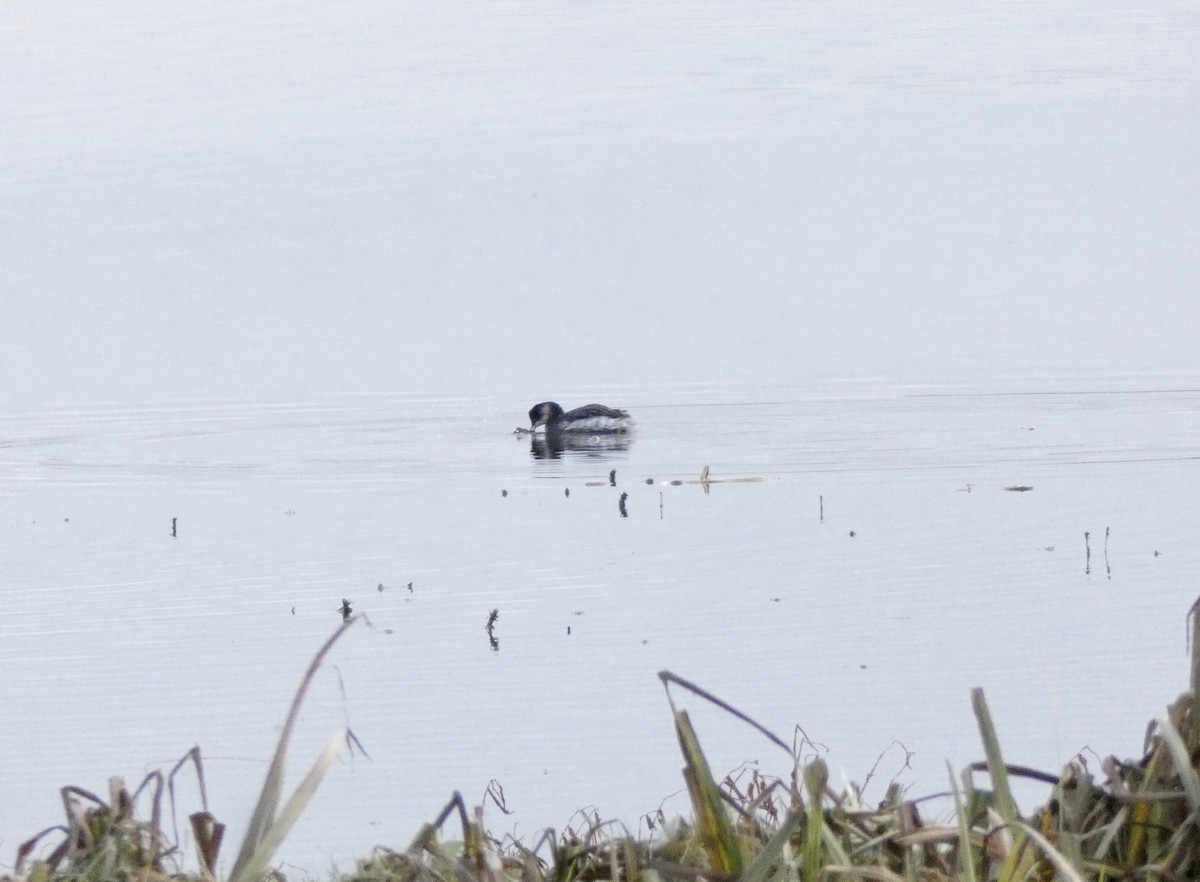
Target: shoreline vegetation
1141	820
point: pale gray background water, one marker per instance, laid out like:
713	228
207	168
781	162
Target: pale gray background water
292	277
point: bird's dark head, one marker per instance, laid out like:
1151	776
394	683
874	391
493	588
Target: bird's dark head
543	414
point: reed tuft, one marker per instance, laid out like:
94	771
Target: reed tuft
1139	821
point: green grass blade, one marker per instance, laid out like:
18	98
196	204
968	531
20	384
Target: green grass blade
256	864
1005	804
873	874
966	855
1183	762
772	851
711	817
263	816
1061	865
816	775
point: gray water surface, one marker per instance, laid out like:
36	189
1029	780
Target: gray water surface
874	574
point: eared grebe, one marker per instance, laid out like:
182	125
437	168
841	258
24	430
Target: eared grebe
595	419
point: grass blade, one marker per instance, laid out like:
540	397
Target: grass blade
711	817
1005	804
1062	866
1183	762
262	819
772	851
816	776
966	855
257	862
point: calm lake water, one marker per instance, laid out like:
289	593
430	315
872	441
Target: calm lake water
288	280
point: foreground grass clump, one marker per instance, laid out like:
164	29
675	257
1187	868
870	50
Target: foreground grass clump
1140	822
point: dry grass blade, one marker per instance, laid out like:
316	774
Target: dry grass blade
1194	650
668	678
263	819
208	833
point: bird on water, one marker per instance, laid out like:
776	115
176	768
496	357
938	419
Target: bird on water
595	419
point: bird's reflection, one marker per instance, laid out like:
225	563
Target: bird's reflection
553	445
